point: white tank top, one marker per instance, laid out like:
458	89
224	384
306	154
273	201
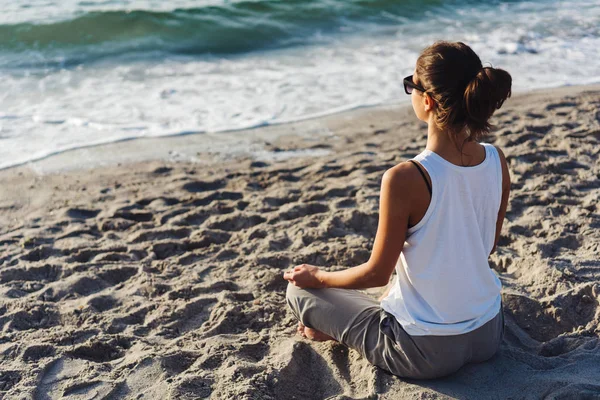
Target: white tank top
444	284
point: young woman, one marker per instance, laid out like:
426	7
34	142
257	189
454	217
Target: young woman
440	217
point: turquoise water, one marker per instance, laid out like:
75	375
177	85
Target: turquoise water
86	34
78	73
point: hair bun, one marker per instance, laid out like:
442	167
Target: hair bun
484	94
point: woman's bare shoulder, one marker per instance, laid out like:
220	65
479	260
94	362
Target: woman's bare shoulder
401	177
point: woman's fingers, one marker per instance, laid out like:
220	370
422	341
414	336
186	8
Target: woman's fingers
289	275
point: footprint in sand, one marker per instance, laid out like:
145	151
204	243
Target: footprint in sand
81	213
100	351
37	352
103	303
204	186
302	210
236	222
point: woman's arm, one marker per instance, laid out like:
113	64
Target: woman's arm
394	210
505	195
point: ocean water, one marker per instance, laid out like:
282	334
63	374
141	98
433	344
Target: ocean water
80	73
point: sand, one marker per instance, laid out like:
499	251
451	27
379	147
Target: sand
163	279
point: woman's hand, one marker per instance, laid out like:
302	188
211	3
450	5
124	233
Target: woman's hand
305	276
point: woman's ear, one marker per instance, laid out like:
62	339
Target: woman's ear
428	102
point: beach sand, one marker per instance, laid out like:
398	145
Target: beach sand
163	279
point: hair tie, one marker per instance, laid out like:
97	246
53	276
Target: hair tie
476	73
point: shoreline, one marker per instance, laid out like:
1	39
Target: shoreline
216	142
186	147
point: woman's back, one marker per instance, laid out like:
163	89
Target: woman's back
444	284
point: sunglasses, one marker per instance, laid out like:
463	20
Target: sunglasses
409	85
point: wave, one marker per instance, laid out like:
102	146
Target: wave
229	28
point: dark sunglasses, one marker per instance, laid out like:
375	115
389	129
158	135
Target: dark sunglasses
409	85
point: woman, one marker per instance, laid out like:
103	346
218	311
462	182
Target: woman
440	217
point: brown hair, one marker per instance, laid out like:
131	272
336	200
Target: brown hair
466	94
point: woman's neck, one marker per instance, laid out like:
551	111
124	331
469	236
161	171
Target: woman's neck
441	143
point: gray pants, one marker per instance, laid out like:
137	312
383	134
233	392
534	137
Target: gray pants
356	320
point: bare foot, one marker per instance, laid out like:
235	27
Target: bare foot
300	329
312	334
